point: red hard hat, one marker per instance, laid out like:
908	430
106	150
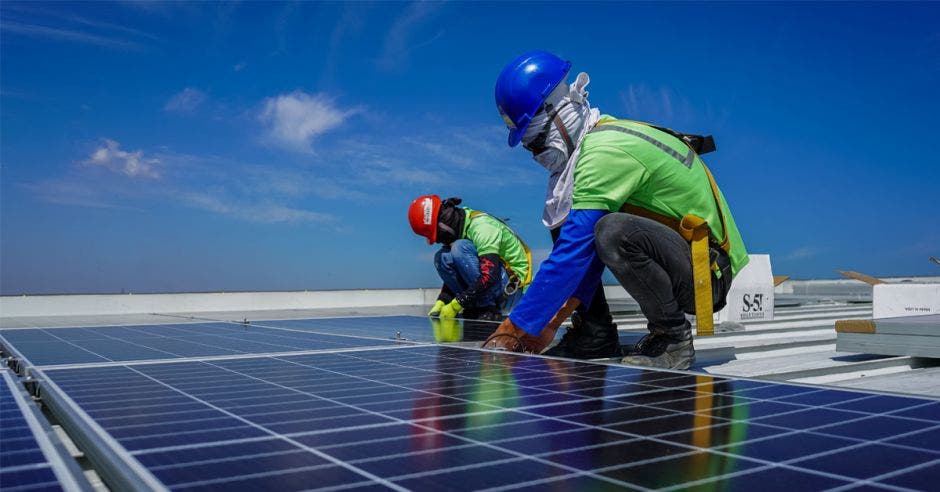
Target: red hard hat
422	214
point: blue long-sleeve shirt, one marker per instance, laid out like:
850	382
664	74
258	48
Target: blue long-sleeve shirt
571	270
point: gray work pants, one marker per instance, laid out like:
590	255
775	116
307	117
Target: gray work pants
654	264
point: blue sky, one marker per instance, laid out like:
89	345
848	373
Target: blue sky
152	147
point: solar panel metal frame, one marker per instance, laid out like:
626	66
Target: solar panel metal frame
122	468
63	466
12	358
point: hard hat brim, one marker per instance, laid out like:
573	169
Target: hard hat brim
515	135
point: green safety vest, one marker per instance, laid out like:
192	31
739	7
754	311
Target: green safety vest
632	166
491	235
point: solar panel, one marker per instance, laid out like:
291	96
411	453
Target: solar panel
435	416
29	456
56	346
415	328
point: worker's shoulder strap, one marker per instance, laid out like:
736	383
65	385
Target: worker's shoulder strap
700	144
686	160
528	253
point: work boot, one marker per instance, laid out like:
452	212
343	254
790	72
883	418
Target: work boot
588	339
663	351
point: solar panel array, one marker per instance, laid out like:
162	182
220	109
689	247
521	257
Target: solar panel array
414	328
419	416
29	460
59	346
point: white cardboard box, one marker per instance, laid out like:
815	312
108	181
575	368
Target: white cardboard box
752	293
905	299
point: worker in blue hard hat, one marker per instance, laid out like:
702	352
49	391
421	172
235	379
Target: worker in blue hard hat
630	196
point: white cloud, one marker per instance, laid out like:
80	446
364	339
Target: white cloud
398	39
667	106
802	253
656	104
238	67
254	212
185	101
133	164
346	26
68	35
258	193
446	154
476	156
46	14
292	121
74	192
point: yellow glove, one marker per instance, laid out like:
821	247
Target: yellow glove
437	308
451	310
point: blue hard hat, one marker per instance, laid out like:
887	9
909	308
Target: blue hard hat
523	86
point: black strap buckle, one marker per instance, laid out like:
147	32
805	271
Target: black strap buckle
701	144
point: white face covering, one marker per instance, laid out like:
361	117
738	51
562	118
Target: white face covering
578	117
552	159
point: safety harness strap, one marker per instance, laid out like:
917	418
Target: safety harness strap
695	230
692	228
701	144
564	134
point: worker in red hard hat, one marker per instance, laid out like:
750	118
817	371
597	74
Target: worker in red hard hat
484	265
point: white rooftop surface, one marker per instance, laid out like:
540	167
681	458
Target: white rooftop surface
798	345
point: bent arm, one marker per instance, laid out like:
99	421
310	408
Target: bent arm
571	270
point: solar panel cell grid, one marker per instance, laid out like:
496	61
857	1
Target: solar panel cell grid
432	416
36	479
917	478
56	346
24	465
925	412
415	328
771	479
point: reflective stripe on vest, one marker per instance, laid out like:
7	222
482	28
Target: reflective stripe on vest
686	161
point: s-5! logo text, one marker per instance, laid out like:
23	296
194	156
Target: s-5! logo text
752	306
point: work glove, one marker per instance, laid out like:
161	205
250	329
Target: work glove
437	308
451	309
511	338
